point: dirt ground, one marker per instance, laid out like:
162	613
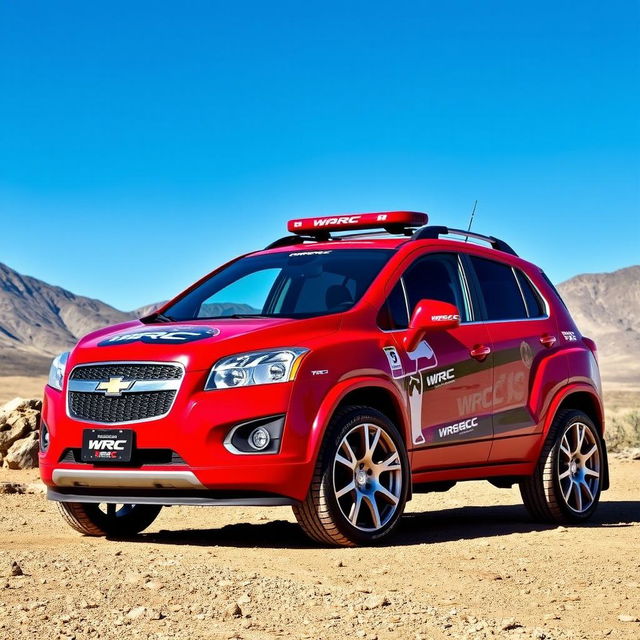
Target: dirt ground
465	564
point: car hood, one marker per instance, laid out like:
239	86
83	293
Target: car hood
197	344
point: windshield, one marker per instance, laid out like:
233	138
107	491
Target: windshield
300	284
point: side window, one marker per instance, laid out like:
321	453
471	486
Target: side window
436	277
535	306
393	314
500	290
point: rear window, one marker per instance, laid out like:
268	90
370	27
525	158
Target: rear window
535	306
500	290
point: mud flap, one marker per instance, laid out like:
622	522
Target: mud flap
605	466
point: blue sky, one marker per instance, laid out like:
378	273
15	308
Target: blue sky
144	143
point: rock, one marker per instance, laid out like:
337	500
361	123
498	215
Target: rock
11	487
233	611
136	613
375	601
509	624
627	618
16	569
16	431
23	454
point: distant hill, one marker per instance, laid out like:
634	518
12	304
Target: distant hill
606	307
38	320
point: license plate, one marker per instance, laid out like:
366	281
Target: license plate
107	445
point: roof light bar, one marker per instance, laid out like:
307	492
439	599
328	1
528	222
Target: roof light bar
392	221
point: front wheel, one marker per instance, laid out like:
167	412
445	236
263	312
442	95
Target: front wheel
118	520
361	481
567	482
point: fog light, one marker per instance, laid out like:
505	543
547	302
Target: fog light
44	438
259	439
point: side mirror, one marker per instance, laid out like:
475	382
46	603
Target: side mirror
430	316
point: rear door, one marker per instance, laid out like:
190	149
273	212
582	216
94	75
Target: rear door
522	336
443	383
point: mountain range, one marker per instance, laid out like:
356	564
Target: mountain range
38	320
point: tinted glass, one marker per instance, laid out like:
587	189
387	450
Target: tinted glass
435	277
501	293
553	288
535	307
393	314
299	284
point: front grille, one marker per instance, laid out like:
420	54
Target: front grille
151	390
96	407
128	371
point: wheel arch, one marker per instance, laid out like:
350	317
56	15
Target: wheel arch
376	393
586	401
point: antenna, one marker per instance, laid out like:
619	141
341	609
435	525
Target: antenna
473	213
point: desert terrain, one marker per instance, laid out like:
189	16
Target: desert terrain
465	564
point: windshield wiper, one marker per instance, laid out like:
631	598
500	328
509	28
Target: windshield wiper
161	317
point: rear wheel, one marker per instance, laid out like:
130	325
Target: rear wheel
360	484
93	519
566	484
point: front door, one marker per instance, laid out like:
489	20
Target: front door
448	390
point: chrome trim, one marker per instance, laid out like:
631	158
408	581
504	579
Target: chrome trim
135	479
124	362
138	386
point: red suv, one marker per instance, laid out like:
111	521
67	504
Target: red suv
336	373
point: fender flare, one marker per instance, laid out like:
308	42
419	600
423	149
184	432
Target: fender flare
562	395
337	394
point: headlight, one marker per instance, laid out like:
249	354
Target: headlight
257	367
56	373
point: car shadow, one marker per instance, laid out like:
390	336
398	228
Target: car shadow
446	525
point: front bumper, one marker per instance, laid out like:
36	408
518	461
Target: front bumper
195	429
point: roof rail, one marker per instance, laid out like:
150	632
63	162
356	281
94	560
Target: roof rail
434	232
288	241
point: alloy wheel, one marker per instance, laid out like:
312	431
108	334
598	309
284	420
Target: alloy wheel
367	477
578	467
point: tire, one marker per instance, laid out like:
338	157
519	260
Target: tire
567	482
117	520
352	482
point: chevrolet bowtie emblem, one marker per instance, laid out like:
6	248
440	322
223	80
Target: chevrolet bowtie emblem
114	386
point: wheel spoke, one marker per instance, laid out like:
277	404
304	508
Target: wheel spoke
366	438
564	446
568	492
374	444
591	472
590	452
373	508
588	490
387	494
578	493
355	510
350	487
580	429
392	463
345	462
352	456
564	475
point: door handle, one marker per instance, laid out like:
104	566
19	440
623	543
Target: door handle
547	340
480	352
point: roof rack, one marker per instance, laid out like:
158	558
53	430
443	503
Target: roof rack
434	232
